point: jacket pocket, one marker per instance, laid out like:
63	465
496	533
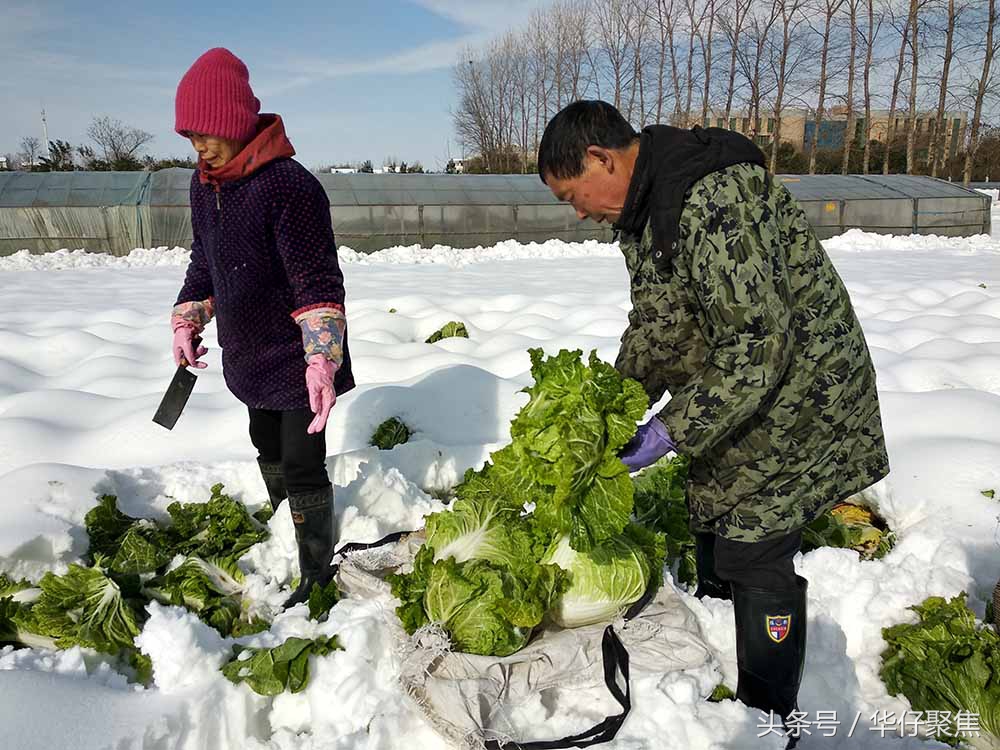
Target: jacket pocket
749	458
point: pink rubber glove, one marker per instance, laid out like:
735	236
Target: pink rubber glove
187	344
322	396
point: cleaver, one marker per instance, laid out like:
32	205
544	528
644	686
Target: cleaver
176	396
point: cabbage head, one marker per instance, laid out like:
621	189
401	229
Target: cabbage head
949	663
608	579
485	523
563	454
211	588
486	608
489	609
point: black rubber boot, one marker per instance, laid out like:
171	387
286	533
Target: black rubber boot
709	583
770	646
316	534
274	480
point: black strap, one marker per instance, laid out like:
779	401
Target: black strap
358	546
638	606
616	661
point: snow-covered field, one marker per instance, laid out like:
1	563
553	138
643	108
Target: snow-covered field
85	357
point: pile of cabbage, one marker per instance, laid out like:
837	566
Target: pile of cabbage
490	572
192	561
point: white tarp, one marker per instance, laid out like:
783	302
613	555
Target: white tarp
471	700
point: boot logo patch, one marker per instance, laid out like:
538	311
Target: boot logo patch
778	627
298	517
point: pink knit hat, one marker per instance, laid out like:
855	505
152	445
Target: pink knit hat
214	98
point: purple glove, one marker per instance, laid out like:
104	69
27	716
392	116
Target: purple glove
650	443
322	396
187	344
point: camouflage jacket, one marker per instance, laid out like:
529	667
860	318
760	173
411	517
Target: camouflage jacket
752	332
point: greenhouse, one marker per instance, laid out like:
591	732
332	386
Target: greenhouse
118	211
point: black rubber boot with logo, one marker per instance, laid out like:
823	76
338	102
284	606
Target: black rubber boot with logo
274	481
770	646
316	535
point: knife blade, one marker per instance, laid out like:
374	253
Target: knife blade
176	397
178	392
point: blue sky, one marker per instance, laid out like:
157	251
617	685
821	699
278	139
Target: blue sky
353	80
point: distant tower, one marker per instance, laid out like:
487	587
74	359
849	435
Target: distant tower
45	133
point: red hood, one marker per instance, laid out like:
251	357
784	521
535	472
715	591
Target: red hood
269	144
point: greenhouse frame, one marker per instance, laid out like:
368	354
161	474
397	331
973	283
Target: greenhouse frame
116	212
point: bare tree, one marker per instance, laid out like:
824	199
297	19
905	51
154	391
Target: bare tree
520	93
845	165
652	58
695	18
505	78
706	55
664	34
732	25
575	17
666	20
989	52
613	20
638	20
118	141
557	41
757	33
30	148
911	131
829	9
937	149
791	19
471	117
481	120
537	35
870	37
890	128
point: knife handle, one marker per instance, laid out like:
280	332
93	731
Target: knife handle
195	343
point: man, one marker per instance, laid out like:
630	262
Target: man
738	312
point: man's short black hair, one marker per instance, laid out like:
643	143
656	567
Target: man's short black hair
576	127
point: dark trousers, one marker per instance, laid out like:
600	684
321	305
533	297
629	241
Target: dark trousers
761	565
769	604
281	437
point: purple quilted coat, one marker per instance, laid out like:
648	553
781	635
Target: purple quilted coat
264	249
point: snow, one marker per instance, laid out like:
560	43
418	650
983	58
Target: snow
995	213
84	360
858	241
994	194
172	632
64	259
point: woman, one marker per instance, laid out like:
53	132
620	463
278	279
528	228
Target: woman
264	265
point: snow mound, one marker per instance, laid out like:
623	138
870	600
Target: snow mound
858	241
507	250
61	260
